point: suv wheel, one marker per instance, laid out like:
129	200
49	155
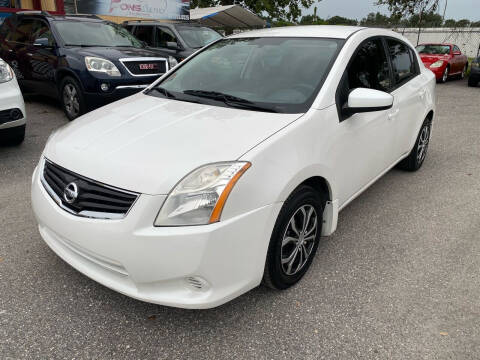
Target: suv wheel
294	239
472	81
415	159
72	98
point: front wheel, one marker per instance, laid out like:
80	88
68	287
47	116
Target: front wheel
295	238
415	159
72	98
444	77
472	82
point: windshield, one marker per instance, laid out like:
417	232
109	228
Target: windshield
89	33
434	49
198	37
276	74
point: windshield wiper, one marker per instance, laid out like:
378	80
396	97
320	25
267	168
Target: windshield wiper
83	45
230	100
164	91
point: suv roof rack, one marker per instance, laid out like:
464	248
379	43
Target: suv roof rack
33	12
92	16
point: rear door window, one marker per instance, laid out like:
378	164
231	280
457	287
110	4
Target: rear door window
23	32
402	61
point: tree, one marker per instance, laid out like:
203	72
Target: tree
340	20
463	23
406	8
376	19
311	20
289	10
450	23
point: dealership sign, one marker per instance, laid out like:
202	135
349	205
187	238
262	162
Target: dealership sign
146	9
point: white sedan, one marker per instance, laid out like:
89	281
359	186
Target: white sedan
12	107
226	172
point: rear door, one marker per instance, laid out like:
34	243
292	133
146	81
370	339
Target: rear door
409	93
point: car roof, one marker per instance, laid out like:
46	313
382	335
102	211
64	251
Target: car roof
68	17
323	31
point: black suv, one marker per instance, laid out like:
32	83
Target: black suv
84	61
474	78
179	40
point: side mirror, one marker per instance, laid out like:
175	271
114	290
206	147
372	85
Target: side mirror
367	100
42	42
457	53
172	45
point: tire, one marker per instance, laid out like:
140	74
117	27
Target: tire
472	82
304	201
464	71
415	159
12	136
71	95
444	77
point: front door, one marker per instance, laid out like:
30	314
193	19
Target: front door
364	140
43	59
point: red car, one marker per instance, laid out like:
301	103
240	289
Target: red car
444	60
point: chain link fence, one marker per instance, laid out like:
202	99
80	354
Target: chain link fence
467	39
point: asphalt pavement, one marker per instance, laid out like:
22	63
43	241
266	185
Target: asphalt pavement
400	279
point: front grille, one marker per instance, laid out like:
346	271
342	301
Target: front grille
10	115
145	67
85	197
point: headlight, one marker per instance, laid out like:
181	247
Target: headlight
199	198
172	62
95	64
6	72
437	64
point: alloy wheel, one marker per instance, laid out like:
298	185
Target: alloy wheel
299	239
445	75
423	144
71	100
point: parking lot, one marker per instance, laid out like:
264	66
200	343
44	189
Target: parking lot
400	279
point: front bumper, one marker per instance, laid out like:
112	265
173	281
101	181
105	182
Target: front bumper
11	98
438	71
188	267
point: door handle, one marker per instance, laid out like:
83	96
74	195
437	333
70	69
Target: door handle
393	114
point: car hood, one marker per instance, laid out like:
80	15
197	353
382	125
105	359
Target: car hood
430	59
115	53
147	144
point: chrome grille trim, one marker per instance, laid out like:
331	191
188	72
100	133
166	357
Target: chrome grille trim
148	59
85	213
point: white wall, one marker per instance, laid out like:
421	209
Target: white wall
467	39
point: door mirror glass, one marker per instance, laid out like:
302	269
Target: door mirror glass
366	100
42	42
172	45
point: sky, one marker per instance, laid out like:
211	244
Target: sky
358	9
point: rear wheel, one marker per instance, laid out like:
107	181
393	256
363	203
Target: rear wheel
472	81
415	159
444	77
295	238
12	136
464	71
72	98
